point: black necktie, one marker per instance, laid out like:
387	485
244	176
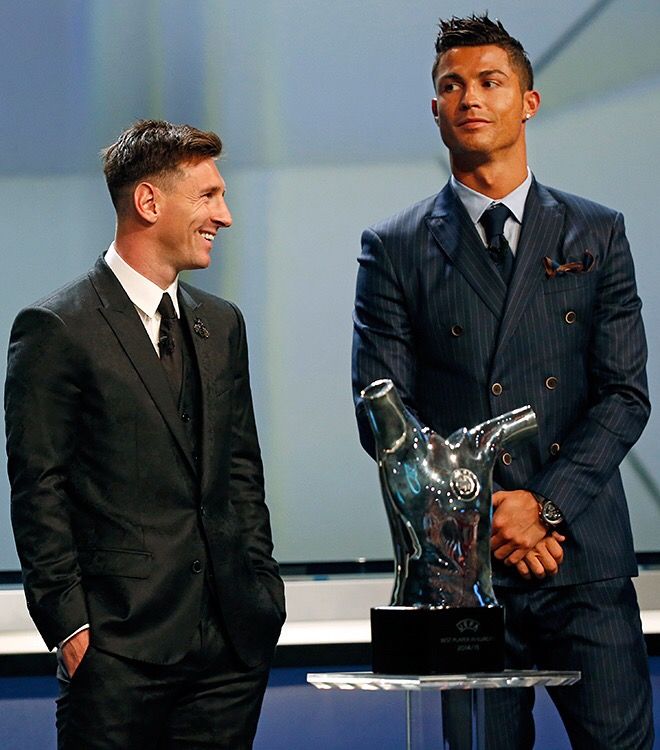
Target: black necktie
170	344
493	221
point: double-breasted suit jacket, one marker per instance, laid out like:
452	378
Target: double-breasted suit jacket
433	314
117	522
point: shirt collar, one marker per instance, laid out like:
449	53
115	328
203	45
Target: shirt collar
142	292
476	203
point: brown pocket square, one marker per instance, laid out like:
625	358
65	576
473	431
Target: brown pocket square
552	268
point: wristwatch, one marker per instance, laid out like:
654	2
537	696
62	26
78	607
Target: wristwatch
549	513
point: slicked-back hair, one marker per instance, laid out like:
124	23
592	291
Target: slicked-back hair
475	31
153	149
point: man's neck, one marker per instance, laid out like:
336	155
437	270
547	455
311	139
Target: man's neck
494	176
144	262
492	180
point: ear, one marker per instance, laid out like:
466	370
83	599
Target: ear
434	109
531	102
146	201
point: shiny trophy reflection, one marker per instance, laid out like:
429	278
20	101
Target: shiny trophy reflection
444	616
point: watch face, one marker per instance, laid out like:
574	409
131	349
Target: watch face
551	513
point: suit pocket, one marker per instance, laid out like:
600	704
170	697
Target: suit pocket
127	563
265	596
62	671
222	394
566	283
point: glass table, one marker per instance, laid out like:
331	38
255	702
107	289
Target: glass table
461	704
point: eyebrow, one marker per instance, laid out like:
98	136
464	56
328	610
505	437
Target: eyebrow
213	189
481	74
492	71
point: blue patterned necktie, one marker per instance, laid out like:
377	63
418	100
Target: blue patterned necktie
493	220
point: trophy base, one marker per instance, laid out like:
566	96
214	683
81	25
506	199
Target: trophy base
437	640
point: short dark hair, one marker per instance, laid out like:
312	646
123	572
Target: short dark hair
474	31
153	148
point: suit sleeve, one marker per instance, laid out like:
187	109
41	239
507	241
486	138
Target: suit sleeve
618	407
41	398
246	480
383	344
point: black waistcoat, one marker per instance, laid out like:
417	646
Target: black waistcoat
190	407
190	411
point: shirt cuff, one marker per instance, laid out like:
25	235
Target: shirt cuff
75	632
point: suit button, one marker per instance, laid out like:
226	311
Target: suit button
554	449
496	389
185	417
506	459
457	330
551	383
570	317
196	566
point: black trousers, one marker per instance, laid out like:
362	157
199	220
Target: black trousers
595	628
207	700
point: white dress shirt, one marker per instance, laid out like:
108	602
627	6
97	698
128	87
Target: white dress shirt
144	294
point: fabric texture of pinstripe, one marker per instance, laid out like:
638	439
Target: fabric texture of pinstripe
592	627
432	314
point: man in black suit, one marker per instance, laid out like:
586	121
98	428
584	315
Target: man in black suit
137	487
500	292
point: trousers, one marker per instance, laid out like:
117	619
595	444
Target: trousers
594	628
206	700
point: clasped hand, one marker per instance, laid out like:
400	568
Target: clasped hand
519	537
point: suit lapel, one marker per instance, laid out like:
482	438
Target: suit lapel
121	316
191	311
453	230
541	233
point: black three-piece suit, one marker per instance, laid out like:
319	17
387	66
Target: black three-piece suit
433	314
121	519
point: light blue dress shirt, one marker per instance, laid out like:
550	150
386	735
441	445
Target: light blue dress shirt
476	203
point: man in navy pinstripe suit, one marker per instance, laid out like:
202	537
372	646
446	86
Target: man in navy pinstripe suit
464	338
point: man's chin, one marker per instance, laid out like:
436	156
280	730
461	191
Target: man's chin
471	145
197	263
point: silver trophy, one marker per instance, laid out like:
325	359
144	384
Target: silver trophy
443	616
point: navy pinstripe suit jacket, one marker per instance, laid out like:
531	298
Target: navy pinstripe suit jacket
433	314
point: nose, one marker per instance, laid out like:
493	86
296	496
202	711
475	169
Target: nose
221	213
470	96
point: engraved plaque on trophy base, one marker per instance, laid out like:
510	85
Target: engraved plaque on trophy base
437	640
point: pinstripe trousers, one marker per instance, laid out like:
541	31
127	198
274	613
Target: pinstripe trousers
593	627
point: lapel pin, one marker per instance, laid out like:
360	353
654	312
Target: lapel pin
200	329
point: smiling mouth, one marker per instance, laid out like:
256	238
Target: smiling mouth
207	236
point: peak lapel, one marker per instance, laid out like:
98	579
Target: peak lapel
122	317
453	230
541	233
